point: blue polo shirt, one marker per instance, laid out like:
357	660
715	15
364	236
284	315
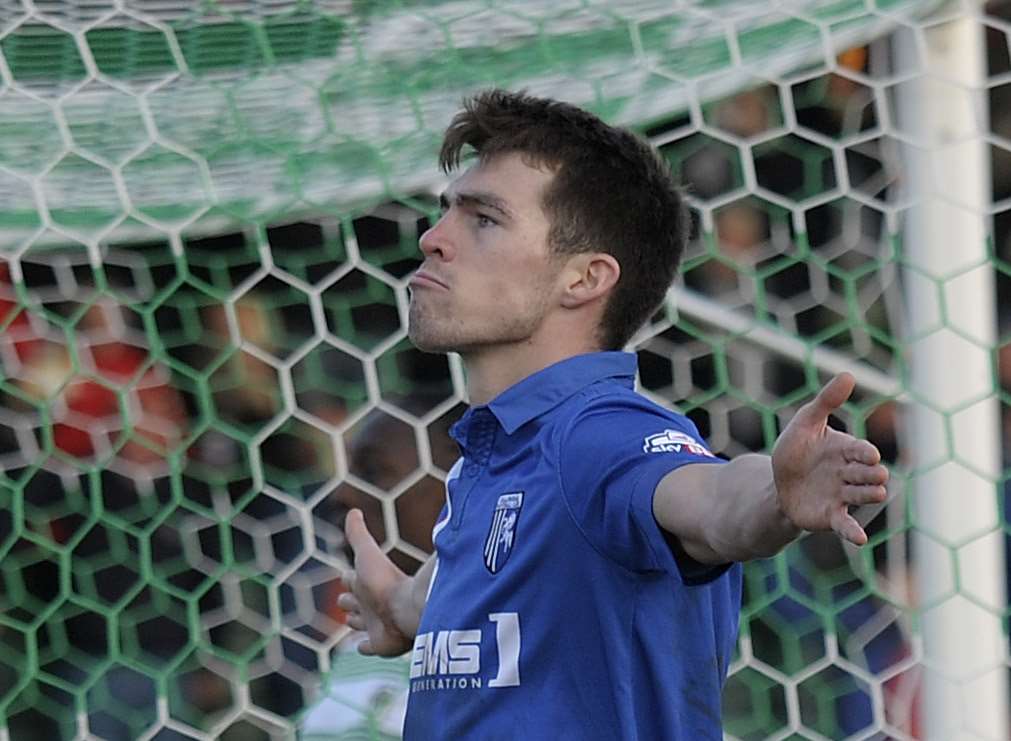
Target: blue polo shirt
558	608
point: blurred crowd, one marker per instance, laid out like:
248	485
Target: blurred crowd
182	462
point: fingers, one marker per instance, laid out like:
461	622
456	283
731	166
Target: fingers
862	451
348	579
863	477
348	602
847	527
835	393
359	537
350	605
832	396
860	495
862	474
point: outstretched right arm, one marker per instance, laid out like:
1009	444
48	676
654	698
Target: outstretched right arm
381	599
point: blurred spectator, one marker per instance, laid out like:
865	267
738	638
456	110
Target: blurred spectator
383	452
110	405
246	388
108	401
367	692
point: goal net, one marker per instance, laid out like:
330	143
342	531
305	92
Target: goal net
208	215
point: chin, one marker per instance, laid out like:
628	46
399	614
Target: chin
431	334
427	342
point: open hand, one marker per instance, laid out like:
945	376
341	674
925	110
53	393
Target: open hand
821	472
376	590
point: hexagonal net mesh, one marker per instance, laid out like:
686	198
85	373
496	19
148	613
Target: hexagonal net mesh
208	213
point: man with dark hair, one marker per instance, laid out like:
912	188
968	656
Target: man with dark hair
585	582
611	192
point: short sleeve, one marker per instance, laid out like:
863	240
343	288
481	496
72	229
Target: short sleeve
612	456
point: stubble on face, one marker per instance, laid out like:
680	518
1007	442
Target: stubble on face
499	291
442	329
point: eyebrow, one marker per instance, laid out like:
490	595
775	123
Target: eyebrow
477	198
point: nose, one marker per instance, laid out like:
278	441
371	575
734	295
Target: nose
436	240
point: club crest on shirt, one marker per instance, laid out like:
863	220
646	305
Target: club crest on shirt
502	533
672	441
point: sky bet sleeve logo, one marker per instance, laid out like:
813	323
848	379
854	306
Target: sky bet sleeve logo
672	441
502	533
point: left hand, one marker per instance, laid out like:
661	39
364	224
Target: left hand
821	472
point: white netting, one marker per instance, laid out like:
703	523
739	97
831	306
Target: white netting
207	216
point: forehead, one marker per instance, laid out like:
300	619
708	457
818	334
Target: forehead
509	178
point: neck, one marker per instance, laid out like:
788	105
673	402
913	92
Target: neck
491	370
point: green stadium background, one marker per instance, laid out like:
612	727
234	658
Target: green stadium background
208	214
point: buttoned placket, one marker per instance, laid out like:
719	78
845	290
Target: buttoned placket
477	448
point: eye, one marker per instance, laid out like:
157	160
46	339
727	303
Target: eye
484	220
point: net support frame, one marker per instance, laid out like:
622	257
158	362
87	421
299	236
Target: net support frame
953	427
697	307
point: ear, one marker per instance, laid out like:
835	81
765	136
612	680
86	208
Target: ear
587	277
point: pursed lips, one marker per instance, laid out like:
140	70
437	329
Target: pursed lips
421	279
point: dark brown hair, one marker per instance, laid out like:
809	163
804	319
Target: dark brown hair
611	192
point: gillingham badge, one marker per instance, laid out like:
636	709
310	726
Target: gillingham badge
502	533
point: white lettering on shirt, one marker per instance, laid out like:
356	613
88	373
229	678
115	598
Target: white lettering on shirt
458	652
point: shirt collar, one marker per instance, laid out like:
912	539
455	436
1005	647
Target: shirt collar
544	390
